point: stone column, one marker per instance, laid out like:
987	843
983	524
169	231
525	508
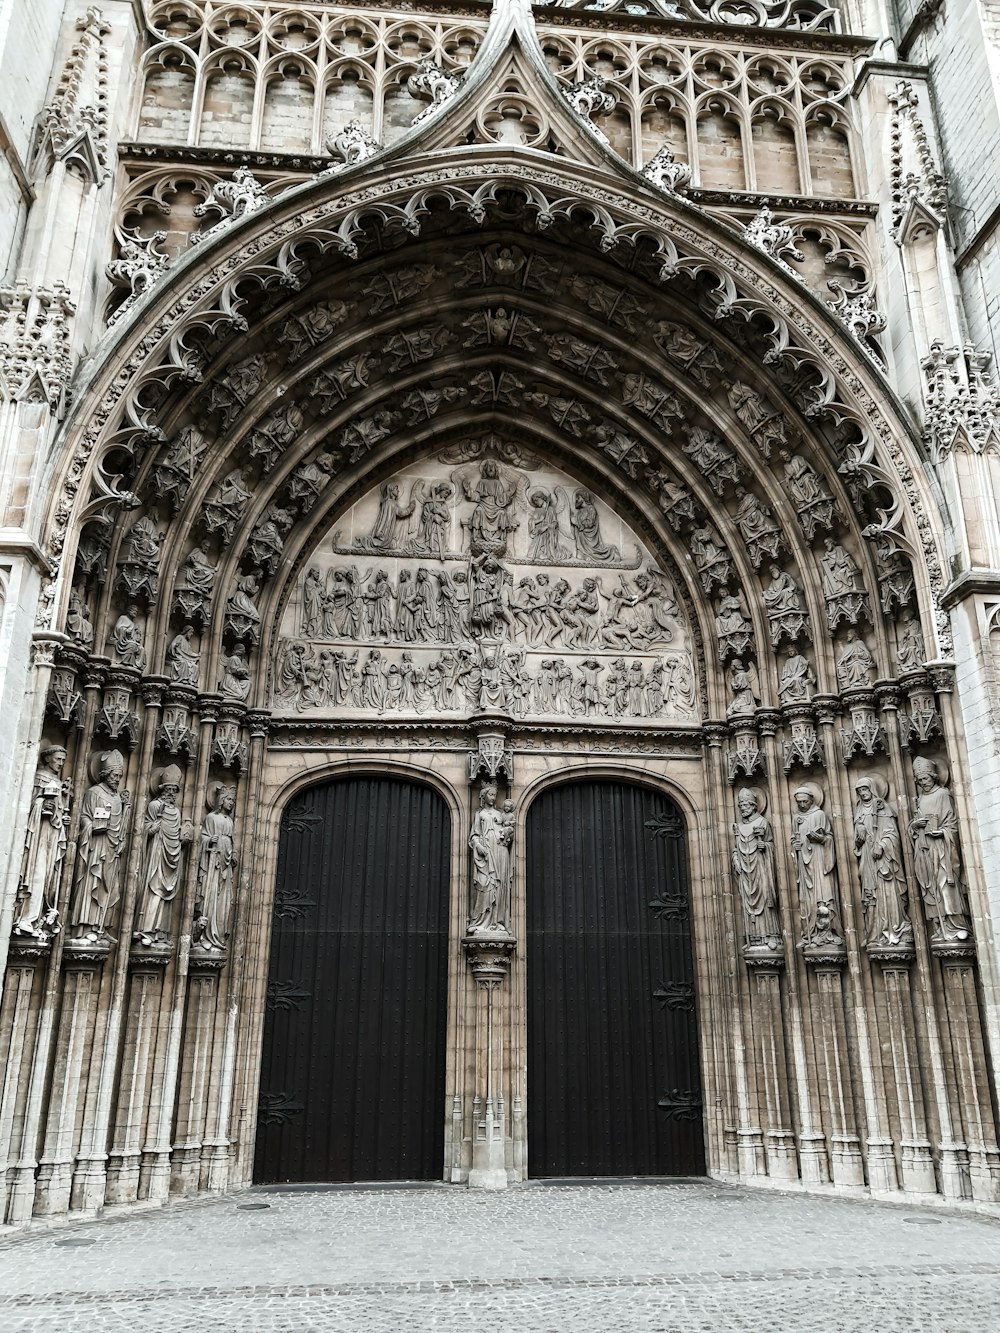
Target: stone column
490	963
834	1061
779	1139
916	1162
75	1030
136	1075
971	1071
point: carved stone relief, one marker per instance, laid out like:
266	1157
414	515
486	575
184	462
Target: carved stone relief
492	585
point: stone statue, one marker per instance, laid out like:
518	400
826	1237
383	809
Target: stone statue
104	820
855	664
198	573
490	843
744	685
936	858
217	863
44	848
181	661
166	836
235	681
753	868
126	641
815	857
78	624
909	644
880	866
798	680
803	480
841	576
545	526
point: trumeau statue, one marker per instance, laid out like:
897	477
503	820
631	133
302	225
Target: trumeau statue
815	857
104	819
490	842
877	846
937	861
480	578
217	863
44	848
167	833
753	869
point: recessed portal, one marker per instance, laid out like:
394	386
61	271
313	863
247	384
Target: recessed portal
613	1076
352	1081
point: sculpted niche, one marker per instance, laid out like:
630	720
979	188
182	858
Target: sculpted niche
491	584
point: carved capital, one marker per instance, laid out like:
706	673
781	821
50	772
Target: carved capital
489	956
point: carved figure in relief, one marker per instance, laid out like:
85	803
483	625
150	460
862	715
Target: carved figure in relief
909	644
733	628
855	664
104	819
763	425
744	685
167	834
878	848
78	623
44	848
782	596
181	661
841	575
798	680
489	613
391	528
545	524
372	695
758	528
937	862
711	559
198	573
217	862
753	868
241	610
379	597
815	856
492	521
225	508
586	524
312	603
126	641
804	484
435	522
235	681
490	843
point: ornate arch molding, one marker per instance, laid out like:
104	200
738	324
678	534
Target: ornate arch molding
742	299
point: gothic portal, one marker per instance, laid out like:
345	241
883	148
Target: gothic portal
496	683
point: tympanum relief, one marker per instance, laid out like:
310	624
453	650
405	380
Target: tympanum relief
487	586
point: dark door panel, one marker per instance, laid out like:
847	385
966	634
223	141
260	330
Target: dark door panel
352	1082
613	1075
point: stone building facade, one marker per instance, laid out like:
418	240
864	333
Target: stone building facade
486	400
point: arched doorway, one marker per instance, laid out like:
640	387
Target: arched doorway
352	1081
613	1074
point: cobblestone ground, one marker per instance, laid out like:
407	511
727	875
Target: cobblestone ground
673	1257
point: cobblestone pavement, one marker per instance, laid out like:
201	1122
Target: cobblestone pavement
673	1257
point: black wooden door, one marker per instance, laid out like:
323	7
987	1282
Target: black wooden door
613	1076
352	1081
